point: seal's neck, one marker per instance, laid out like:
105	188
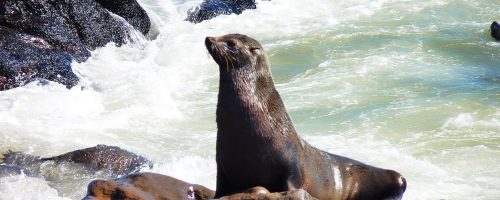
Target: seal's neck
244	88
250	103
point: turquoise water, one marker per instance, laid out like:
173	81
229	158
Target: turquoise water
408	85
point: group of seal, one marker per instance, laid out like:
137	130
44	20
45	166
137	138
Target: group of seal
257	144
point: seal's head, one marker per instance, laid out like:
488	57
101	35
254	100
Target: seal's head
495	30
236	52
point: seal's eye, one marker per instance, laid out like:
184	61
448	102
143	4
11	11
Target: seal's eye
231	43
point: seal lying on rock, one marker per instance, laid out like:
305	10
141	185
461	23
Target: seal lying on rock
145	186
212	8
495	30
257	144
112	159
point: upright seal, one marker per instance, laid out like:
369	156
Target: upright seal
257	144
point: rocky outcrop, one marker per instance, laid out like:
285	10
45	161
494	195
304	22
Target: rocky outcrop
299	194
151	186
131	11
495	30
111	159
8	170
26	58
212	8
40	38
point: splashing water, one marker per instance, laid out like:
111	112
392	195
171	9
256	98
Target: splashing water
402	84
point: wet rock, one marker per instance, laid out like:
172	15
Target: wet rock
147	186
8	170
26	58
212	8
299	194
495	30
111	159
19	159
131	11
40	38
44	19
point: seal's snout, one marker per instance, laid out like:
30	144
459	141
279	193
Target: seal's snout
402	183
398	185
209	41
495	25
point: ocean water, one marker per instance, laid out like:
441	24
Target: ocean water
409	85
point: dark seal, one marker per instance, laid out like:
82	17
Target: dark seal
145	186
495	30
111	159
257	144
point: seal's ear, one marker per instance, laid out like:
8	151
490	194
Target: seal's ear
255	50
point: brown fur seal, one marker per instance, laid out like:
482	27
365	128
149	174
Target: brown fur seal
112	159
146	186
257	144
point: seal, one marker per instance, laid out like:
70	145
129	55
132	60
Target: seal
111	159
257	144
495	30
146	185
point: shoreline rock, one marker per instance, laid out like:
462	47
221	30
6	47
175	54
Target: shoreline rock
39	39
8	170
298	194
213	8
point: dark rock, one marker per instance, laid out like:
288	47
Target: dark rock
26	58
212	8
66	22
18	159
44	19
495	30
146	186
101	157
299	194
8	170
40	38
131	11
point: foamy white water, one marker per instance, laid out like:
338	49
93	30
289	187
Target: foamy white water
407	85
